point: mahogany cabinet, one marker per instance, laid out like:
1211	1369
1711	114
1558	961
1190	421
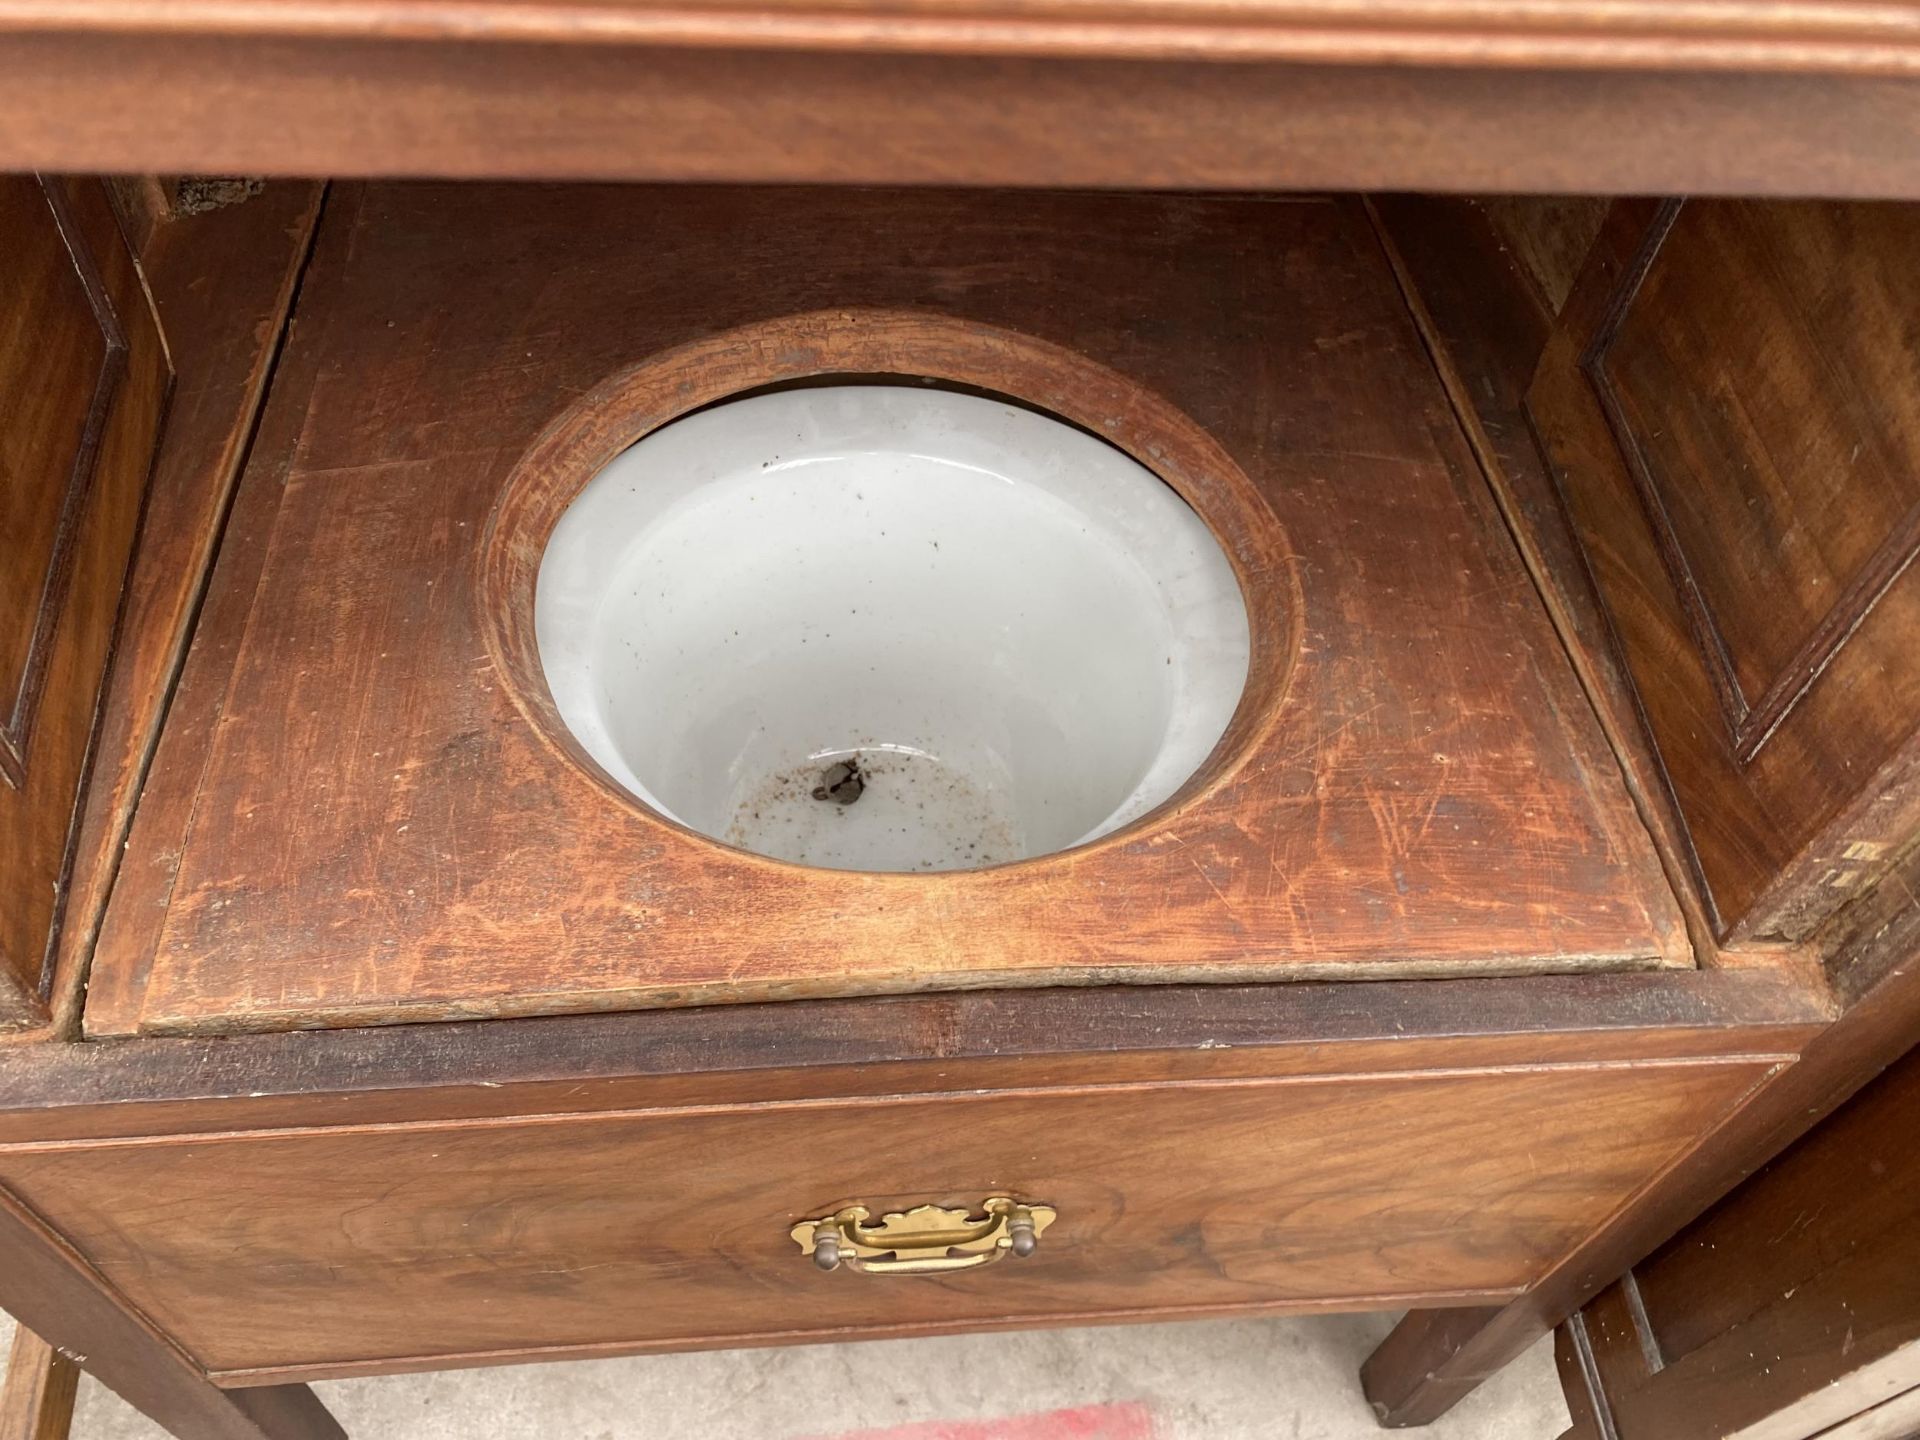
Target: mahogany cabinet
1554	873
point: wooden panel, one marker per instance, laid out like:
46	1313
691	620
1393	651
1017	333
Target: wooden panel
1732	412
1895	1419
1787	1308
1485	281
54	1292
1756	376
1548	238
386	1246
1422	791
894	1045
222	280
1435	1357
1847	1188
83	379
437	1077
284	104
61	355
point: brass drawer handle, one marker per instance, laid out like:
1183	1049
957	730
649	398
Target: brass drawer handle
927	1240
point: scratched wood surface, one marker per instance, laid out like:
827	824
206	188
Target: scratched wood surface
221	281
352	821
1485	280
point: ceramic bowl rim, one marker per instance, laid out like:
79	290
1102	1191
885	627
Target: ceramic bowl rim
907	348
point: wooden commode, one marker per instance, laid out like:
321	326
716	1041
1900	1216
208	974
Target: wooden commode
1553	873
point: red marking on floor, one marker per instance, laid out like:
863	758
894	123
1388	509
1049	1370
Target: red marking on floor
1125	1420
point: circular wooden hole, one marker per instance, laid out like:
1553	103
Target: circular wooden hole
891	347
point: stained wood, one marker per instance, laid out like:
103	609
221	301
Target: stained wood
1434	1358
1547	237
367	104
1485	280
144	204
1143	1105
893	1045
36	1400
1786	1309
1895	1419
1573	1358
1750	34
53	1292
1730	410
349	1248
1477	822
222	280
1850	1187
83	381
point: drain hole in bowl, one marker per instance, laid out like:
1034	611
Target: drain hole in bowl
890	628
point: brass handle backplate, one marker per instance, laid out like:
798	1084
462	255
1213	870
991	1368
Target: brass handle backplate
926	1240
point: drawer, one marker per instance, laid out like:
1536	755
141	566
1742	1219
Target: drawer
344	1248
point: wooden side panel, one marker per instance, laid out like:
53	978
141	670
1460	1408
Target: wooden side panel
1787	1308
383	1246
60	359
222	281
1733	408
83	379
1850	1187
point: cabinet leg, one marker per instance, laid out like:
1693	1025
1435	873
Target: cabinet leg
51	1290
1434	1359
36	1402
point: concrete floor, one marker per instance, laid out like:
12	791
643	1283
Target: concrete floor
1287	1379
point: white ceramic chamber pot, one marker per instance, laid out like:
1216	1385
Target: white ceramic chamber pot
889	627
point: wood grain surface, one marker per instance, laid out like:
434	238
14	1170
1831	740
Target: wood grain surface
1435	1357
52	1291
1485	281
1730	409
892	1045
83	384
338	1202
1423	791
1786	1309
221	280
350	1250
158	99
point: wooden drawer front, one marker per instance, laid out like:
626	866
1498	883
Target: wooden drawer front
340	1248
